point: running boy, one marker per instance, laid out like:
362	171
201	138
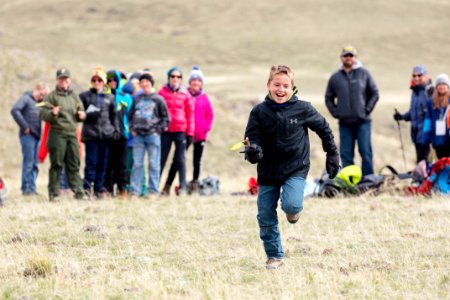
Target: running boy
276	138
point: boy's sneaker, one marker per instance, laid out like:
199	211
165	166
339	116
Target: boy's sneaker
293	218
273	263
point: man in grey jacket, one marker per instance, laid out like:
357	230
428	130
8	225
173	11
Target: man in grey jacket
350	97
26	114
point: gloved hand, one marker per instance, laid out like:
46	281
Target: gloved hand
189	140
332	164
253	153
398	116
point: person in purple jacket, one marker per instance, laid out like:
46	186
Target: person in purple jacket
204	116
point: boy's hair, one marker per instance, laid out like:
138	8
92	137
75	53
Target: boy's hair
281	69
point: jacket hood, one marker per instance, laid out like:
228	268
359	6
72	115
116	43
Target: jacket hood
117	76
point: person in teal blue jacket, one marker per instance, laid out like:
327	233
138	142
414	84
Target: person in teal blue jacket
116	172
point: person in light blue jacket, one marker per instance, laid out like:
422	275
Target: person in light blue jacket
436	129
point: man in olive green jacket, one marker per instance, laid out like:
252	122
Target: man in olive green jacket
62	109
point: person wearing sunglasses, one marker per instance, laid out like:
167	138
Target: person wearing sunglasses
181	127
350	97
26	114
98	128
63	110
422	90
436	128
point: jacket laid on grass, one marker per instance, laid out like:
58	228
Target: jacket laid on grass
66	121
102	124
204	115
281	130
417	112
181	109
429	127
26	114
351	97
148	114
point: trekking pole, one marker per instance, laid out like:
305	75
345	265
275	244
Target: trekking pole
401	141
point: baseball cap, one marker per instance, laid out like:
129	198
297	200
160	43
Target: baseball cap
62	73
348	50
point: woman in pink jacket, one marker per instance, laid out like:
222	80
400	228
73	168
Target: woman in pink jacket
181	127
204	116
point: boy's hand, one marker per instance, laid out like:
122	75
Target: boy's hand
332	164
253	152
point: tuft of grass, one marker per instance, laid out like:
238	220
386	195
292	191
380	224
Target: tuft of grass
38	266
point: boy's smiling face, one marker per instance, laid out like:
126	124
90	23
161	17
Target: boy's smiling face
280	88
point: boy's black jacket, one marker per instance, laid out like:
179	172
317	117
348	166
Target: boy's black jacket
282	132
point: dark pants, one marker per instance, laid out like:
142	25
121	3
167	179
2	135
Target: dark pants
198	153
422	152
179	161
442	151
95	165
361	133
116	170
63	150
197	161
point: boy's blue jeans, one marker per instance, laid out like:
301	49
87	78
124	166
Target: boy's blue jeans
348	135
30	145
151	144
291	192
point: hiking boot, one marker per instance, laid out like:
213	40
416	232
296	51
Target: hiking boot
193	187
273	263
101	195
82	196
166	190
293	218
123	194
54	198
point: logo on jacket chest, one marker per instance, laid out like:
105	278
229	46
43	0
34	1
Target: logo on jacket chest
293	121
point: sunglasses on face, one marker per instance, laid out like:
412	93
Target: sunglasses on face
348	55
417	75
176	76
96	80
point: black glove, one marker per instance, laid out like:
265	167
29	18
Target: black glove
253	153
398	116
189	140
332	164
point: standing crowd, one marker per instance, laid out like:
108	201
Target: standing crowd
123	119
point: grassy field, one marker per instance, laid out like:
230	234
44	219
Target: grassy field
208	248
385	247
